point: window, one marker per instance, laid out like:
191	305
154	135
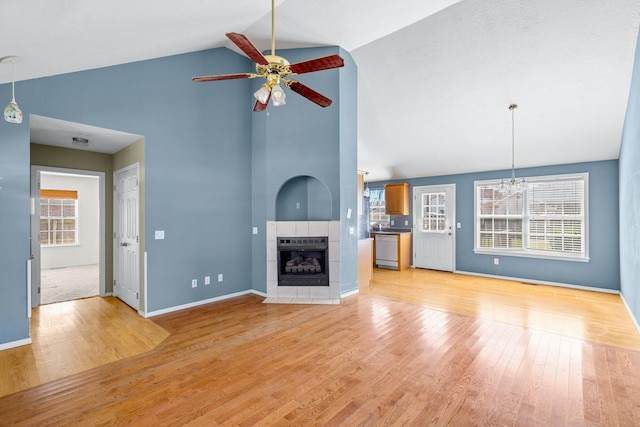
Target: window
58	217
377	208
546	218
433	211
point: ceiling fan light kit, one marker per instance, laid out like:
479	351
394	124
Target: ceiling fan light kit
12	113
275	70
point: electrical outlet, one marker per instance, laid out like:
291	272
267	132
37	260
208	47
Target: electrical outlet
220	277
207	280
496	261
194	283
406	223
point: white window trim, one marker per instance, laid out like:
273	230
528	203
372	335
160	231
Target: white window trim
77	231
532	253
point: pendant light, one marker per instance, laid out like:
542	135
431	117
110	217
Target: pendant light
12	113
513	184
366	186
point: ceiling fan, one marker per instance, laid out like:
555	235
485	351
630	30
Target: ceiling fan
275	70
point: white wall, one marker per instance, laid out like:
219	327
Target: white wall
87	250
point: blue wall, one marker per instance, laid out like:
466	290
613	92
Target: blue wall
303	198
303	139
602	271
197	155
212	167
630	196
14	222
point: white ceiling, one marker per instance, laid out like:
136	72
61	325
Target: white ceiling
48	131
435	77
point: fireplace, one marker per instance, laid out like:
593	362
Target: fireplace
303	261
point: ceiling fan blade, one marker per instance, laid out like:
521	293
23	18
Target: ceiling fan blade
259	106
309	93
224	77
324	63
248	48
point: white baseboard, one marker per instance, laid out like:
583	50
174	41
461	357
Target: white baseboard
635	321
349	293
12	344
542	282
198	303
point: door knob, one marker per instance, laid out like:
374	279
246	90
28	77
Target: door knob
124	244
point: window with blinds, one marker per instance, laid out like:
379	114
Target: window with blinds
547	217
377	208
58	217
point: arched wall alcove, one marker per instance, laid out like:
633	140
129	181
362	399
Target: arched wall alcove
303	198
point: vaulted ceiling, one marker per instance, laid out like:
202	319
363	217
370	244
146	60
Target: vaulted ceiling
435	77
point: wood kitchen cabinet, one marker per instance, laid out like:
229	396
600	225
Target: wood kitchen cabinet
397	198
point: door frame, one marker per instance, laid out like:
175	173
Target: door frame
35	226
454	225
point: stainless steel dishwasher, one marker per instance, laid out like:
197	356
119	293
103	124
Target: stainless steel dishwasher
387	251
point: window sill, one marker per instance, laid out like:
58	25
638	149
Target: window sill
533	254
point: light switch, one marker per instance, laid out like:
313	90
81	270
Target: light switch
459	225
349	213
255	230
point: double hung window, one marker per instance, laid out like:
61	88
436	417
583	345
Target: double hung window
58	217
377	208
544	217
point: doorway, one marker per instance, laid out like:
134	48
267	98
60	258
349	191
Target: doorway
434	227
67	234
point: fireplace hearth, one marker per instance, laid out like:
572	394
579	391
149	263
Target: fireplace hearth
303	261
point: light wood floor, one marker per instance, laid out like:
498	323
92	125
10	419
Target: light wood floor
593	316
75	336
409	358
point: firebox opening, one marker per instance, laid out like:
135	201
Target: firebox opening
303	261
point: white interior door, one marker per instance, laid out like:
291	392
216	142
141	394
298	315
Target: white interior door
434	227
127	236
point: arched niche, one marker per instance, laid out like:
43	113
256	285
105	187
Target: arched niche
303	198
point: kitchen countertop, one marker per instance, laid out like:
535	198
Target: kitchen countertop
392	231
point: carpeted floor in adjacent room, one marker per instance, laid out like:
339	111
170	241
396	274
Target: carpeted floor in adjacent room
69	283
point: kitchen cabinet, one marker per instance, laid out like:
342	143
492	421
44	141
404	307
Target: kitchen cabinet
397	198
392	250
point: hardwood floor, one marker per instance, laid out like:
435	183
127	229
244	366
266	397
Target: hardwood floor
372	360
75	336
593	316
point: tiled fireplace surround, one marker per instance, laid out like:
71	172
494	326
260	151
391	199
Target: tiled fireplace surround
303	294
